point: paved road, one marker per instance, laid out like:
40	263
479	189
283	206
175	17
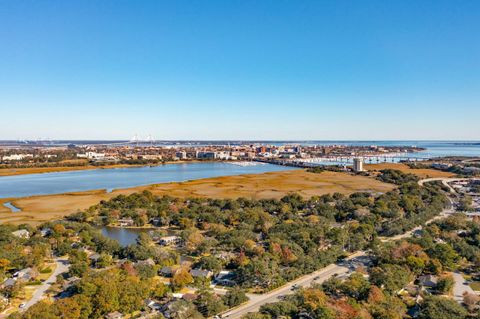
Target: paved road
256	301
445	213
62	267
444	181
461	286
316	277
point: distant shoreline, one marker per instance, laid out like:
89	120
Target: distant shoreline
57	169
41	208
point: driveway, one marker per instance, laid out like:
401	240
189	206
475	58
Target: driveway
62	267
461	286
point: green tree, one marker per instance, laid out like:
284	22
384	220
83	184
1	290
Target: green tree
159	290
445	284
356	286
209	304
181	278
446	255
146	271
67	308
182	309
280	309
105	260
392	277
209	262
234	297
40	310
441	308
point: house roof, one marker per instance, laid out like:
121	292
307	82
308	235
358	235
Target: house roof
95	257
8	283
201	273
148	261
114	315
21	233
428	280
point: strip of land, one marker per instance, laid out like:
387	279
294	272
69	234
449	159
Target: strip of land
37	209
54	169
420	172
82	166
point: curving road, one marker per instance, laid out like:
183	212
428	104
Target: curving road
443	214
319	276
444	180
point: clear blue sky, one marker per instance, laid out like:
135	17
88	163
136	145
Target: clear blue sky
240	69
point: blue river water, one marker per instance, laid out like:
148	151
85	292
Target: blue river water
433	148
11	207
114	178
75	181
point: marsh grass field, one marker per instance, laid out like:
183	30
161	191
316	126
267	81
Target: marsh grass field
420	172
38	209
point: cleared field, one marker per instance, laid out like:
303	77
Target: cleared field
37	209
422	173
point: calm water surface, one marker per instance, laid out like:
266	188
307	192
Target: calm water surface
75	181
124	236
12	207
114	178
432	149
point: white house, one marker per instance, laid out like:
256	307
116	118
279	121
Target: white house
21	233
16	157
91	155
169	240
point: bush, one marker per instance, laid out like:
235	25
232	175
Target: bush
445	284
46	270
442	308
396	177
234	297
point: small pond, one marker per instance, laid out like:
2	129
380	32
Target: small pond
125	236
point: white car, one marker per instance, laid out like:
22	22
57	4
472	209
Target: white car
22	305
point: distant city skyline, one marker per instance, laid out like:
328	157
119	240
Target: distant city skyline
240	70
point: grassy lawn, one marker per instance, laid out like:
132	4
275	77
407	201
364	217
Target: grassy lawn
25	295
45	276
29	290
475	285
